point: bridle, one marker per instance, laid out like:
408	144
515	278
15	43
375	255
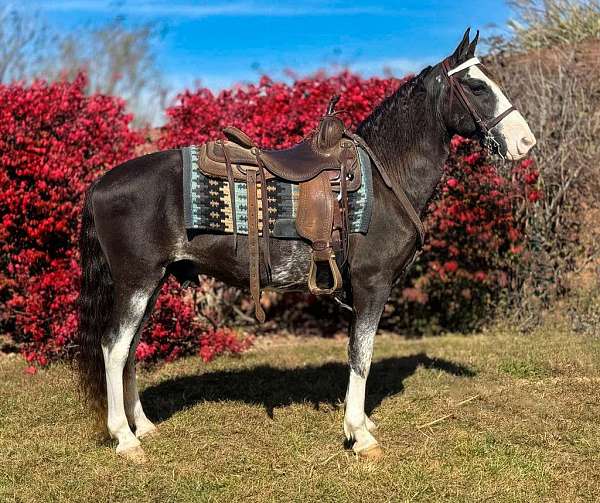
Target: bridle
484	126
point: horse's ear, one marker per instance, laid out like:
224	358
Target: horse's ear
460	52
473	45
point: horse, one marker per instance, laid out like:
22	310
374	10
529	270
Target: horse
133	237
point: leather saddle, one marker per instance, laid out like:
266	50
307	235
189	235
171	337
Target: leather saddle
325	165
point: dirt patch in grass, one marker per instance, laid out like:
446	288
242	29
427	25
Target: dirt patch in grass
266	426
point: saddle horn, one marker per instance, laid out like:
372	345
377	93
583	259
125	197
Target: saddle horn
332	103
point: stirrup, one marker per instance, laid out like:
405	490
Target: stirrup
312	276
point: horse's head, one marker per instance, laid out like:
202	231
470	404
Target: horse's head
473	105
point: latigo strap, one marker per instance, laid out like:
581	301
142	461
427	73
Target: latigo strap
253	250
231	183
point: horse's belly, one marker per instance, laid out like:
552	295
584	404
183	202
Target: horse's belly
289	267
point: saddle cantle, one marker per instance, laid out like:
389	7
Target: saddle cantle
325	165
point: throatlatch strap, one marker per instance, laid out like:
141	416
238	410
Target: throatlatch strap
253	250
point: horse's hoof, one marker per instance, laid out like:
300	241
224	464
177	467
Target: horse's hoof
134	454
147	432
372	453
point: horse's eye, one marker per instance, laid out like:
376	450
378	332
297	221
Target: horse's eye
479	89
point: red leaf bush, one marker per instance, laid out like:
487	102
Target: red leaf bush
54	141
275	114
474	238
475	241
175	331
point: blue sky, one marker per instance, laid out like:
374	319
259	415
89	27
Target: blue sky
218	43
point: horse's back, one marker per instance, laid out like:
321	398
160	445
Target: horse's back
141	172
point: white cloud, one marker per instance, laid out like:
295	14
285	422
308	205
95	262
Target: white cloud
193	10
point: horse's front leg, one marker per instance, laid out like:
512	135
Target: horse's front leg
368	305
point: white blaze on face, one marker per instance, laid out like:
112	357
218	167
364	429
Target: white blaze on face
513	128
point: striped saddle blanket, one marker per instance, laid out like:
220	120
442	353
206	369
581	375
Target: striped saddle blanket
207	202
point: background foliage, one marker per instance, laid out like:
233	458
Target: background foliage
54	141
551	23
548	63
502	238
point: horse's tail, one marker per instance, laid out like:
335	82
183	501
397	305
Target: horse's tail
96	301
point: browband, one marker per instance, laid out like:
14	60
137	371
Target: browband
462	66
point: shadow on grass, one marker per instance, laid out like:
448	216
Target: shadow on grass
276	387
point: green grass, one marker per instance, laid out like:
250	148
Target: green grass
524	369
267	426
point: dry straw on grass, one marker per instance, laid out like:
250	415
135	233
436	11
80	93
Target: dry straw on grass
266	427
447	416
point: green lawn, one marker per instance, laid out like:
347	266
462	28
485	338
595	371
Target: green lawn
267	426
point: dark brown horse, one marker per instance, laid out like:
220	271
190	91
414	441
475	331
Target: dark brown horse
133	237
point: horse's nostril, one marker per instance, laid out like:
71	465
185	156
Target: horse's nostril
527	141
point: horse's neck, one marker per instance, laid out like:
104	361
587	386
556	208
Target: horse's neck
406	136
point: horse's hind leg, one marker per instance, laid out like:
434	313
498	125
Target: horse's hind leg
133	406
129	310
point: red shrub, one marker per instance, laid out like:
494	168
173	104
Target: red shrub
275	114
54	140
174	331
474	241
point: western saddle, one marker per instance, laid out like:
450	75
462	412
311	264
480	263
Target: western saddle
325	165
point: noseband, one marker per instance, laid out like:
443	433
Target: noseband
484	126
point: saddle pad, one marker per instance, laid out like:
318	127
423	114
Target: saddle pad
207	202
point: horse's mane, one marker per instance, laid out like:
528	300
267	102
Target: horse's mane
401	124
403	100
